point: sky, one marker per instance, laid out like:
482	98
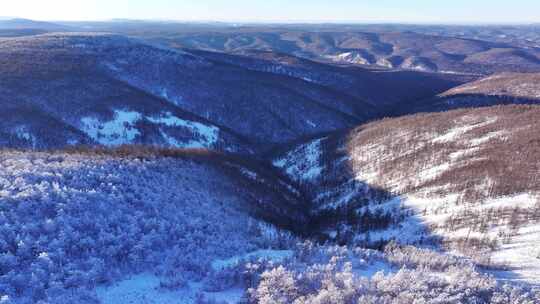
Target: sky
409	11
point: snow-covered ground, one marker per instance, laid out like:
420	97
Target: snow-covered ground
145	289
330	274
305	168
521	254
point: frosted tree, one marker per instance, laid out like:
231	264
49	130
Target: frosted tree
277	286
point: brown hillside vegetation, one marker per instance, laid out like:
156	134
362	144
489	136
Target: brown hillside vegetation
465	179
404	149
517	85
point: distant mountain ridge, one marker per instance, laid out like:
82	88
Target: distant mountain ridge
396	50
445	49
20	23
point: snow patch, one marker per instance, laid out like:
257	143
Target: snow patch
248	173
350	57
454	133
120	130
145	288
462	153
22	133
176	99
488	137
277	256
207	135
432	172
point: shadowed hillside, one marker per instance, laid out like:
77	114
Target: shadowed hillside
108	89
498	89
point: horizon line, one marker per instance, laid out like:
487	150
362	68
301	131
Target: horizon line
282	22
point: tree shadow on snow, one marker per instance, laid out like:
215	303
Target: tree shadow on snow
348	210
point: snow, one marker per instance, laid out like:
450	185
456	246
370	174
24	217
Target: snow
248	173
271	255
151	210
385	63
118	131
23	134
175	99
304	163
455	156
462	128
207	135
522	200
522	254
122	129
145	288
339	196
452	134
351	57
369	270
138	226
431	173
488	137
230	296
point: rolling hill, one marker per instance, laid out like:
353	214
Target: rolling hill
397	48
449	49
465	179
217	163
136	225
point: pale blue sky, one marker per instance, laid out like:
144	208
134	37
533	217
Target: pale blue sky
431	11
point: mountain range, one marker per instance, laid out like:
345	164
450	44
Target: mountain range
157	162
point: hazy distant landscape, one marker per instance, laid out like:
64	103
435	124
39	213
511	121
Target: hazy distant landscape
242	162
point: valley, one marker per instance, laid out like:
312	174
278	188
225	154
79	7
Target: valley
163	162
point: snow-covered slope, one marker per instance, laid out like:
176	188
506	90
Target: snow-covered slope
466	180
71	221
